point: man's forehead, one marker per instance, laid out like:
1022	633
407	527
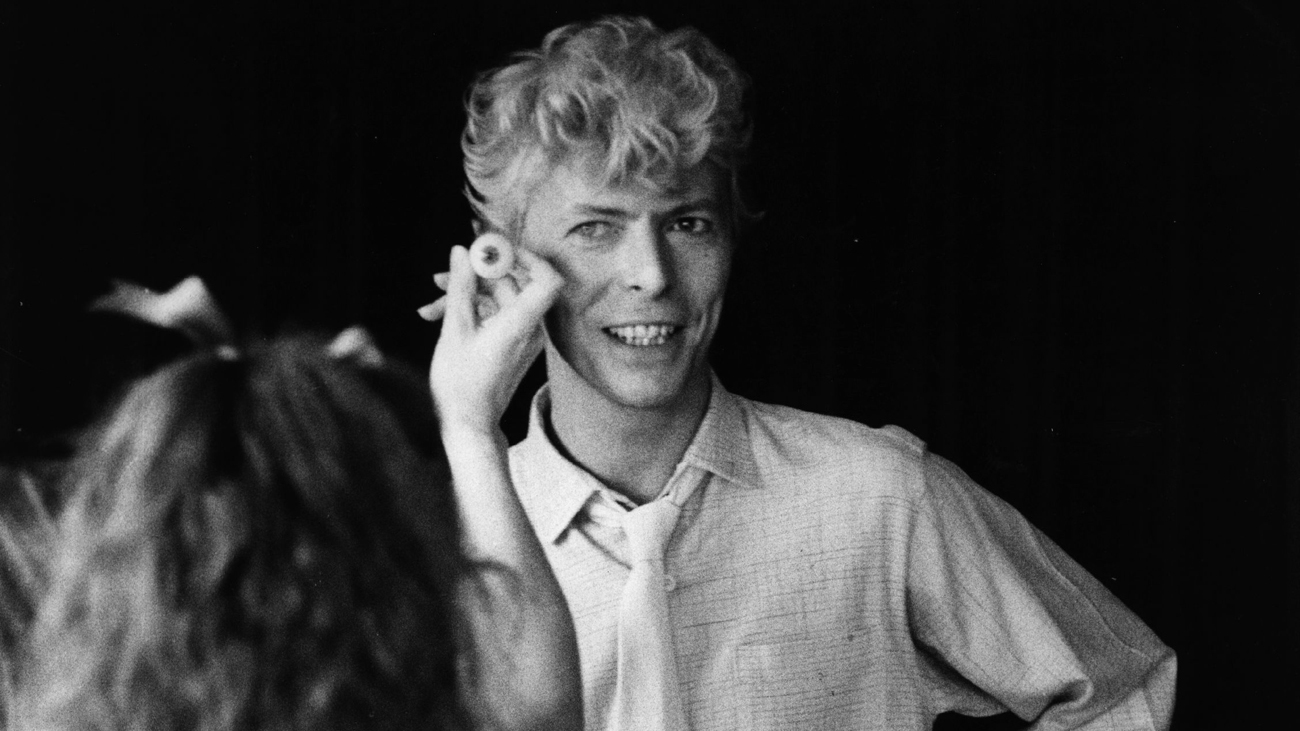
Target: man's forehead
582	182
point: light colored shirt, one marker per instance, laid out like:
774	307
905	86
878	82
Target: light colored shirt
827	575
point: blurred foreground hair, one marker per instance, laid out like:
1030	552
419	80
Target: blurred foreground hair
263	541
26	535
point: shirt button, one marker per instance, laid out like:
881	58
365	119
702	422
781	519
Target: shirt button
669	583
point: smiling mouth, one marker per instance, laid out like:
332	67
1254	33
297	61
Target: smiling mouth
643	335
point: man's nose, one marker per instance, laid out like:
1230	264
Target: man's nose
647	263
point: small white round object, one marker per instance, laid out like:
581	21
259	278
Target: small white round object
492	256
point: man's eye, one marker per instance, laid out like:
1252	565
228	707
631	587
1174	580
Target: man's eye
592	230
693	225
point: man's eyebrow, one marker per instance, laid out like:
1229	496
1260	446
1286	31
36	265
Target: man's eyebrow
586	209
697	204
694	204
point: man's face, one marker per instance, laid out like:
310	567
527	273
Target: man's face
645	274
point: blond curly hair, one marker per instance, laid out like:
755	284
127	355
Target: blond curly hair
645	102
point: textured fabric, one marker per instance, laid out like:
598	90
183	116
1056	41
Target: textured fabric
646	694
828	575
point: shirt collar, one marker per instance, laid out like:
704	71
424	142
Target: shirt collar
721	446
553	489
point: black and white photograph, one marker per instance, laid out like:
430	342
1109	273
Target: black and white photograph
650	366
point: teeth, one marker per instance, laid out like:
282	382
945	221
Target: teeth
643	334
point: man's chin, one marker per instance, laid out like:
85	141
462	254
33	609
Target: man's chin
632	387
646	392
642	396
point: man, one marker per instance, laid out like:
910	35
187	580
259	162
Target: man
730	564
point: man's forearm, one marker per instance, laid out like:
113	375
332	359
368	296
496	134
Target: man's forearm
525	646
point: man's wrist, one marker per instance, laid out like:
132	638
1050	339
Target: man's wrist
465	431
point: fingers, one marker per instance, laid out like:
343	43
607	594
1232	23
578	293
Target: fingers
488	298
433	311
540	274
525	292
503	290
540	293
461	288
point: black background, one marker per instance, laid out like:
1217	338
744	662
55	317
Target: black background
1054	239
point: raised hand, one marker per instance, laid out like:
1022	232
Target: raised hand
526	653
492	333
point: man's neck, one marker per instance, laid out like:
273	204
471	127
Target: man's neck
634	451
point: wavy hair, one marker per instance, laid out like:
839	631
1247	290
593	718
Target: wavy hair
268	541
644	102
26	536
